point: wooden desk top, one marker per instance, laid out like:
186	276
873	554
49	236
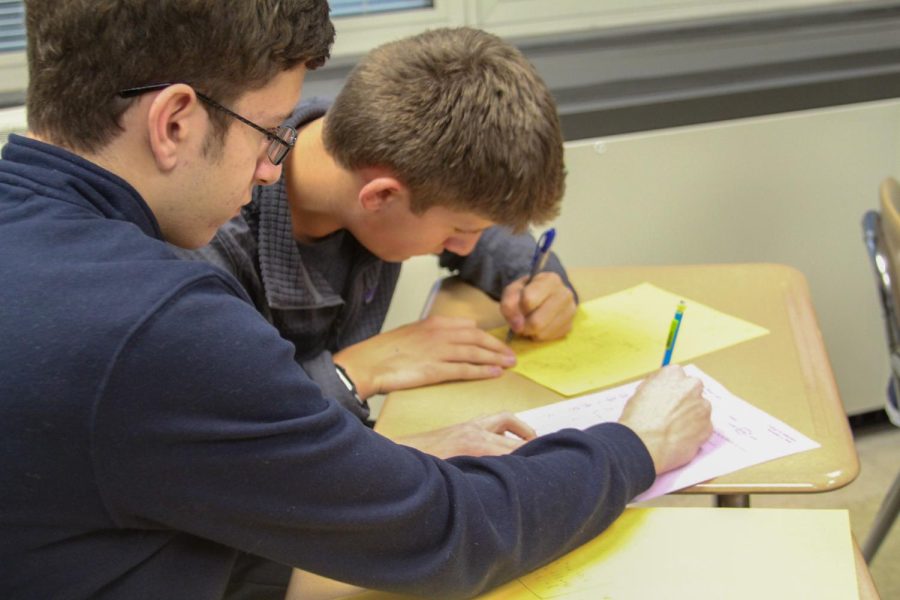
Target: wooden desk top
785	373
308	585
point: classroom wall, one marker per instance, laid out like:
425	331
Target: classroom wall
790	189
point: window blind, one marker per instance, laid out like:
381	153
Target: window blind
12	16
349	8
12	26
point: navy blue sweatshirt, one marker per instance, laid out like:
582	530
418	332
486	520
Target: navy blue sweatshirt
153	424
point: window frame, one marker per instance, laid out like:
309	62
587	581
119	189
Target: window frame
379	28
517	19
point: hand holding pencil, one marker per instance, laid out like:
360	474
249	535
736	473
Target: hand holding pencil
668	411
539	306
670	415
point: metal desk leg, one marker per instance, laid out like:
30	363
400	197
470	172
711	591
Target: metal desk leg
890	507
733	500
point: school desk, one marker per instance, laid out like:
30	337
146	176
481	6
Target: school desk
785	373
678	553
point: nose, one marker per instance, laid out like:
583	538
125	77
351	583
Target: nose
266	173
462	245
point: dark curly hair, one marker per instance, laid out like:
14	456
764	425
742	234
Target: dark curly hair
81	53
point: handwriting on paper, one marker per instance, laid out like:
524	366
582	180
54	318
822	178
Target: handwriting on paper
743	435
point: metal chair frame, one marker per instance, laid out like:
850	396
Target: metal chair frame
880	259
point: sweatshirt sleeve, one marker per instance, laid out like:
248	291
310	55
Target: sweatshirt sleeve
499	258
322	371
207	426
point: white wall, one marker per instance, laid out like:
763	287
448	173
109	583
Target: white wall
789	189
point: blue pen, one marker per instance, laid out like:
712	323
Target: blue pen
673	333
541	253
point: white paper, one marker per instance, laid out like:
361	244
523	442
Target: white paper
743	435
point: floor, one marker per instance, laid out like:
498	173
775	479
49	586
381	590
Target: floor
878	447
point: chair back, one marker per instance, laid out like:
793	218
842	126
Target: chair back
890	230
881	231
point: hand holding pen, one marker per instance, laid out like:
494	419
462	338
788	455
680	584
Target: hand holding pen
539	305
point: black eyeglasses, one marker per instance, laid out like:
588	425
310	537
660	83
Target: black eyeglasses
281	138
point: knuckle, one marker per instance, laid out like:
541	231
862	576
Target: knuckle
530	296
432	322
550	276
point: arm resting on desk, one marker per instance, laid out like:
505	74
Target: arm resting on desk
252	457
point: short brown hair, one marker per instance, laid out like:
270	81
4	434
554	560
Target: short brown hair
81	53
461	118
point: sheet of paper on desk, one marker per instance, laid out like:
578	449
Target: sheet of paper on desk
743	434
623	335
703	554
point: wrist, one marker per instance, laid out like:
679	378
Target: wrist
345	378
353	360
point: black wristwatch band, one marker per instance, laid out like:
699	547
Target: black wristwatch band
345	379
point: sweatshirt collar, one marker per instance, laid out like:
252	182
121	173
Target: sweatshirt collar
55	172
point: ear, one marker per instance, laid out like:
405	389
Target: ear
174	120
382	191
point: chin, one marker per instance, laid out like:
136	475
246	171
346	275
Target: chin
192	243
391	257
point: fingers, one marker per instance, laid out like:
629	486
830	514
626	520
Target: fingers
472	350
542	310
430	351
671	377
553	319
465	439
419	371
493	444
461	341
436	372
474	337
506	422
510	304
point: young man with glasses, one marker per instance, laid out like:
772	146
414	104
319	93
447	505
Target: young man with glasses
154	427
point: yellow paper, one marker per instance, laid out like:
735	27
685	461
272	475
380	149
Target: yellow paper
703	553
621	336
